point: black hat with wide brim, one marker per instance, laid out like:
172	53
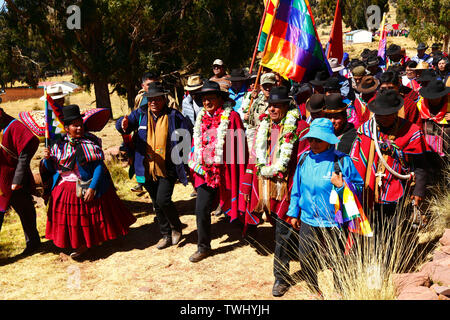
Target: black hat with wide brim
426	75
237	75
434	90
279	95
315	103
386	102
320	78
212	87
393	49
334	104
155	89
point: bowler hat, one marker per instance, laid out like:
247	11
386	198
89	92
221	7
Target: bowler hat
334	103
323	129
279	95
372	61
315	103
319	78
210	86
71	113
393	49
332	83
386	102
426	75
422	46
435	89
155	89
237	75
368	84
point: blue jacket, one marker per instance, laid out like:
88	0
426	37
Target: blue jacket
312	187
138	122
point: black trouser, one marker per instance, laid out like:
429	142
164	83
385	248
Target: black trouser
22	202
286	244
161	194
315	241
203	208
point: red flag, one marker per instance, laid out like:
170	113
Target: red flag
335	46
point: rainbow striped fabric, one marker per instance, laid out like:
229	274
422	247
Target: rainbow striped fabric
294	49
270	6
53	114
349	209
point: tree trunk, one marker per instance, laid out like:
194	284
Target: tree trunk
446	44
102	99
131	93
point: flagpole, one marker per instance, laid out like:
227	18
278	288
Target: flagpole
259	35
47	135
264	53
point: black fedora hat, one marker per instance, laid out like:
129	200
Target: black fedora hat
71	113
279	95
320	78
332	83
422	46
386	102
372	61
334	103
315	103
210	86
155	89
393	49
435	89
237	75
426	75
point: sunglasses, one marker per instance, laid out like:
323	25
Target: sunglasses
217	67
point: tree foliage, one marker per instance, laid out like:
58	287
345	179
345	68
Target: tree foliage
427	20
119	40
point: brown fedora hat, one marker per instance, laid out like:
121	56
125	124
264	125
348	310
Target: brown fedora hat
368	84
315	103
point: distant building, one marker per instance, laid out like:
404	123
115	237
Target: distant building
358	36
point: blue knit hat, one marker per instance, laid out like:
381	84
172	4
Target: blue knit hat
322	128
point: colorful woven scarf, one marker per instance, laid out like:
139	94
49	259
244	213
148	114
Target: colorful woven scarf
156	145
82	150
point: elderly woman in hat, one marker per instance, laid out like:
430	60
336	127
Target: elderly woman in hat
217	162
84	209
268	179
158	130
310	210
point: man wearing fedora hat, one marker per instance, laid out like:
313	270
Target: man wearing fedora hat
217	163
390	80
335	109
319	80
56	93
421	55
345	84
238	89
314	107
154	165
434	108
395	57
367	90
373	66
268	178
191	104
331	86
402	146
17	147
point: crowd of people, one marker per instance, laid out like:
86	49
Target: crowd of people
260	149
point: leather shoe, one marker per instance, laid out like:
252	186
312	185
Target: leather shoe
199	255
165	242
31	249
176	236
280	288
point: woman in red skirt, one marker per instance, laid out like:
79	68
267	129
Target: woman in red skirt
82	217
